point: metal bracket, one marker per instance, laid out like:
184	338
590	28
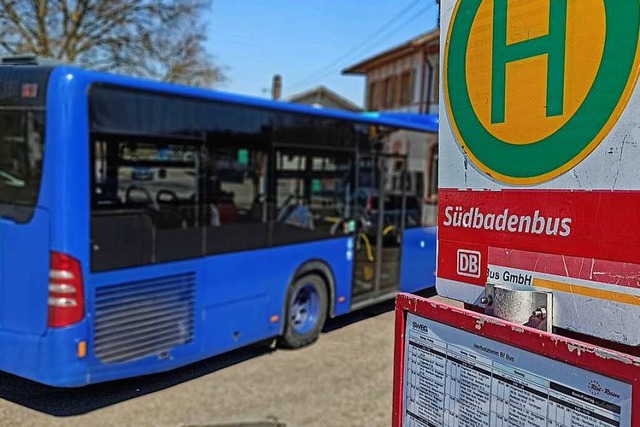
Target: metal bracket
522	306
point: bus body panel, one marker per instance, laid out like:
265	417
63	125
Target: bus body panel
69	154
24	274
177	356
51	359
244	291
418	262
226	320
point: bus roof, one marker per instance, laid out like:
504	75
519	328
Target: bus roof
416	122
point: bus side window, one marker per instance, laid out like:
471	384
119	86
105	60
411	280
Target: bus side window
313	195
173	187
234	198
143	187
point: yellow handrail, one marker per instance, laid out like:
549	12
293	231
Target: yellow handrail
367	246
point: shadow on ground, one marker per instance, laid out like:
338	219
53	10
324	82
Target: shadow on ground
62	402
65	402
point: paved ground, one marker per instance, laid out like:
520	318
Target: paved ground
344	380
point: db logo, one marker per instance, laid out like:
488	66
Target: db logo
468	263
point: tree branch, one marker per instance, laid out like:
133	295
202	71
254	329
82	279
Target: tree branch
162	39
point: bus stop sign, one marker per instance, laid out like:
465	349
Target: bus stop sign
532	88
538	153
455	367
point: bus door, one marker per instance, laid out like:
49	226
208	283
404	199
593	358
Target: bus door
380	214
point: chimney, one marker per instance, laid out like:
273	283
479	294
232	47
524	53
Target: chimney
276	87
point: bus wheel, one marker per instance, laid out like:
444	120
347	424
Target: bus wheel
307	303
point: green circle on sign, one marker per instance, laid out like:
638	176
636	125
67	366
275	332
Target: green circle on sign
557	153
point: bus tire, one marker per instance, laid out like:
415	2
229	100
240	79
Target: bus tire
306	311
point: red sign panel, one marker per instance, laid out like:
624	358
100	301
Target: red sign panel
593	224
454	367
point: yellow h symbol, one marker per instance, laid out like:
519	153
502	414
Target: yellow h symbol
552	44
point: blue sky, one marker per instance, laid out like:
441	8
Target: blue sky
308	42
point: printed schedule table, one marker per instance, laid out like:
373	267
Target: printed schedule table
451	385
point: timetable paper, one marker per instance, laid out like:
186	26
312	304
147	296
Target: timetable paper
454	378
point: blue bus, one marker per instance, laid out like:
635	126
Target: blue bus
145	226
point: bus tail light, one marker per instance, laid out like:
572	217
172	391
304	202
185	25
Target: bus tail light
66	294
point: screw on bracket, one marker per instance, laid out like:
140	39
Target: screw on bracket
540	313
487	300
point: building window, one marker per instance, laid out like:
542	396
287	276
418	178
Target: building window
432	184
397	100
406	84
382	94
371	96
435	85
390	93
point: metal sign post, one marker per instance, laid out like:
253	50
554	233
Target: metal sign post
455	367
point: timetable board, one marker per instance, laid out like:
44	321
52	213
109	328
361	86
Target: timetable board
458	375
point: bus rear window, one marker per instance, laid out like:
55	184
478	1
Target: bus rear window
21	154
22	119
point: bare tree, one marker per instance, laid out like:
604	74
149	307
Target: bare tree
160	39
